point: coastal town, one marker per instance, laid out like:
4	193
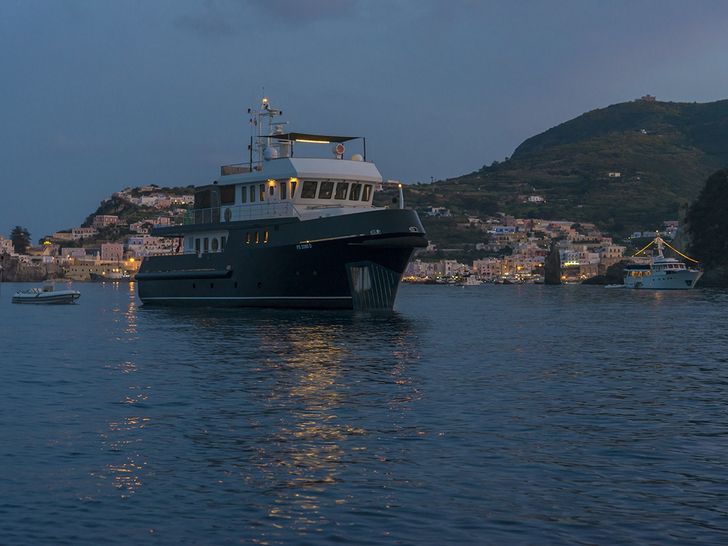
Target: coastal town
103	248
110	247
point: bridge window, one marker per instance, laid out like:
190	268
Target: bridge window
223	242
326	189
261	191
308	191
197	245
294	183
367	193
252	193
227	195
206	244
215	244
355	191
244	194
341	189
284	188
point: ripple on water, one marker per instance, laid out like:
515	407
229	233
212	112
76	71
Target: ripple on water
492	414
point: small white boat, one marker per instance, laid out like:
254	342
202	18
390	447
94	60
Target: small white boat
46	295
660	273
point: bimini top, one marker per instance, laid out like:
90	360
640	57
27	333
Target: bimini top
309	137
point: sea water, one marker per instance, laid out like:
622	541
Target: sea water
470	415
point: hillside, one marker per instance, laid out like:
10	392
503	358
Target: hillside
658	153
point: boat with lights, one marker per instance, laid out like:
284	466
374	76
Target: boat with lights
287	229
657	272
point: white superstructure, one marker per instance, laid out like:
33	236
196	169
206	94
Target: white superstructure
659	272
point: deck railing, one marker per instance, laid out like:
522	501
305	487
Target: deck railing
237	213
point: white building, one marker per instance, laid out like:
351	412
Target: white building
147	245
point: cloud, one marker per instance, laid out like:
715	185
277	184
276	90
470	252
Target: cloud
212	19
304	11
221	18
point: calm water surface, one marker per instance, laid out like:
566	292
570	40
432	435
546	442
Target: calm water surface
477	415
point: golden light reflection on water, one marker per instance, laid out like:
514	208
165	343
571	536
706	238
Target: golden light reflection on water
312	445
131	311
123	435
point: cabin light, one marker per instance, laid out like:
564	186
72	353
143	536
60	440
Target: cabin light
310	141
293	179
271	182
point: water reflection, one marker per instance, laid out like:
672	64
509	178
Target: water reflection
124	435
306	381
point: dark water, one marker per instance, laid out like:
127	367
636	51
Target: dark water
479	415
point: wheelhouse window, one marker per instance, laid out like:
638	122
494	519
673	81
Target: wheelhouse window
261	192
206	244
355	192
341	189
294	184
284	188
308	191
243	194
227	195
252	193
197	245
215	244
366	195
326	189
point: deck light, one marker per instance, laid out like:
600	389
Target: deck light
310	141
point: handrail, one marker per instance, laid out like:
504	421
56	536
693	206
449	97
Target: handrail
237	213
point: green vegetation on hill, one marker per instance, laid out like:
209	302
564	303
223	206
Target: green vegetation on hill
663	151
708	228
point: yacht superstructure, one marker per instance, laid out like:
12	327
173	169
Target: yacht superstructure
660	273
286	230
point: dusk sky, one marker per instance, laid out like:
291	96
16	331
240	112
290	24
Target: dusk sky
98	95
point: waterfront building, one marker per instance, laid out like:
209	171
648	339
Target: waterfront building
113	252
488	269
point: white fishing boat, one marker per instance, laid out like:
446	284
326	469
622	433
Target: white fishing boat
657	272
46	295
